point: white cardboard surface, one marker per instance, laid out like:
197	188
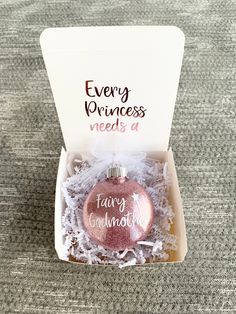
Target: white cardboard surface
60	204
145	59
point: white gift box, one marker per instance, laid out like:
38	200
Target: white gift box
93	70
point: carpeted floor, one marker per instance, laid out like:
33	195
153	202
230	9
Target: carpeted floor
32	279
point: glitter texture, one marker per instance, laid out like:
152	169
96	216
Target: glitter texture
117	213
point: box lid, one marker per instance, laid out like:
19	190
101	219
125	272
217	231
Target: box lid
114	85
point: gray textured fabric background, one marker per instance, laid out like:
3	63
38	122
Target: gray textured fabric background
32	279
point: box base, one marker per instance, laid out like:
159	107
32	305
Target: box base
174	197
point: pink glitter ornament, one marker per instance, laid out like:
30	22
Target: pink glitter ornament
118	212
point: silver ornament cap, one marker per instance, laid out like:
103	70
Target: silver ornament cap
116	171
